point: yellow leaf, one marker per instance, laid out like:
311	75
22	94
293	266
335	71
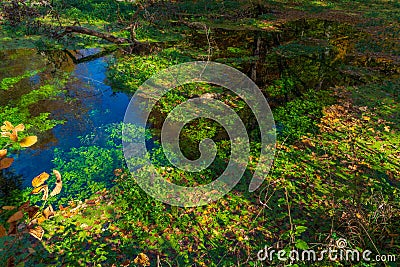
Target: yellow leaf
37	232
58	187
40	179
3	153
2	231
5	163
16	217
48	212
366	118
28	141
142	259
19	128
387	128
41	219
39	189
7	126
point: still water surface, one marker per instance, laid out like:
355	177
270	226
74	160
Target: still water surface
88	102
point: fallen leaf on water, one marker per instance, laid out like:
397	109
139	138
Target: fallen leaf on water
28	141
16	217
6	163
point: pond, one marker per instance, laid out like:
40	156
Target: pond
87	104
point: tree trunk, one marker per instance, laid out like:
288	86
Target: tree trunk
105	36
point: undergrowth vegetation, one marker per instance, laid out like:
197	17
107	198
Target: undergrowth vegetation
329	70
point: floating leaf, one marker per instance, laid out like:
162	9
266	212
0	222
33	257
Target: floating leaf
48	212
3	153
8	208
58	187
6	163
16	217
41	188
40	179
28	141
37	232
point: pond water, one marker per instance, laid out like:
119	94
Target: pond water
88	103
303	52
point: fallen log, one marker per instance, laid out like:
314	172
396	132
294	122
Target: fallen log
104	36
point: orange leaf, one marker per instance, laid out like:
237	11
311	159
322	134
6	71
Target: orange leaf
16	217
58	187
37	232
39	189
41	219
2	231
3	153
5	163
19	128
14	136
28	141
9	207
40	179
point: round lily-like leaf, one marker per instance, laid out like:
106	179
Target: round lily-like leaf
6	163
28	141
